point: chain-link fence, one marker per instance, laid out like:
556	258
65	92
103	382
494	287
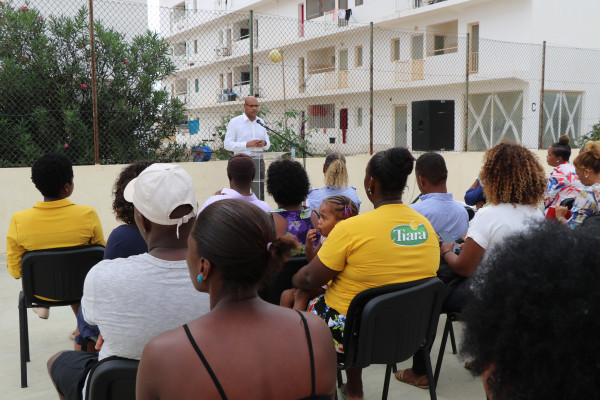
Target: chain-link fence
169	79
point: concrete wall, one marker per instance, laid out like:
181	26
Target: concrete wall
93	184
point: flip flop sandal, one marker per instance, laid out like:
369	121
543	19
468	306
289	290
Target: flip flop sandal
343	393
419	381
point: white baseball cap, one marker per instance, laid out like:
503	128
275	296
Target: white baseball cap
160	189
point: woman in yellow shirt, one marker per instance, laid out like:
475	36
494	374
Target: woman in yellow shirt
391	244
54	222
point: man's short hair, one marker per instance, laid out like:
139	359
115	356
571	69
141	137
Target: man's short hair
241	168
432	167
50	173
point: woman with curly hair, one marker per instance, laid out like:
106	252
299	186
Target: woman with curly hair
532	325
125	240
514	184
288	183
336	182
563	182
587	165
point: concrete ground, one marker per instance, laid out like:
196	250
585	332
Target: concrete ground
50	336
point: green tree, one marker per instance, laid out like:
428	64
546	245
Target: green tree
46	98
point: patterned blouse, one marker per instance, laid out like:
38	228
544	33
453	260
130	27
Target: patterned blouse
298	224
586	205
562	184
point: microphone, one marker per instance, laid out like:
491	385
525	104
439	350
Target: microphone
259	121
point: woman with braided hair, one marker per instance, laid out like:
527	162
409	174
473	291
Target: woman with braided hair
587	165
563	182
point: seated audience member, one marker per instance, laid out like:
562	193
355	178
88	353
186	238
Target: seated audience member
333	210
347	256
336	182
245	347
445	215
53	222
532	325
124	241
474	195
240	172
563	182
512	198
437	205
587	203
288	183
136	298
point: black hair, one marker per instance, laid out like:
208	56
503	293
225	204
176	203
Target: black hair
287	182
340	204
240	168
392	168
51	172
122	208
432	166
534	315
239	239
561	148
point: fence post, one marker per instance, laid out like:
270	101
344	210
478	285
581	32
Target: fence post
371	88
251	41
467	65
94	91
541	133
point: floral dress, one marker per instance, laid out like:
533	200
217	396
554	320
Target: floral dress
562	184
585	205
298	225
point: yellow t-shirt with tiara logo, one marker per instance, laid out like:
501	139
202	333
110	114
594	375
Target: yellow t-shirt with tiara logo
391	244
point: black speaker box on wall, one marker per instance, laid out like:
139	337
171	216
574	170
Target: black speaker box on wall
433	125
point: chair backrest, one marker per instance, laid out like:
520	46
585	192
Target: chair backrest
282	281
112	379
388	324
58	273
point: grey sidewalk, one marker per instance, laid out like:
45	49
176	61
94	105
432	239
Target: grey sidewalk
50	336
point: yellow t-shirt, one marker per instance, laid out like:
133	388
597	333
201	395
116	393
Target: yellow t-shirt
391	244
49	225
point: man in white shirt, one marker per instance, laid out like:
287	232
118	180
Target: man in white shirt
244	133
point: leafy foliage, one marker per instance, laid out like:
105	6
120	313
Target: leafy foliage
46	97
593	135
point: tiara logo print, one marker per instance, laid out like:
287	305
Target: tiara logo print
407	235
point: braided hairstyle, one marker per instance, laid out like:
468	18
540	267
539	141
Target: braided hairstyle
392	168
239	239
342	206
50	173
512	174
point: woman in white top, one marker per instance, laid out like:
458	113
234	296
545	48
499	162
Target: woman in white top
515	183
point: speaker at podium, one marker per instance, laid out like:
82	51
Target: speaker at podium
433	125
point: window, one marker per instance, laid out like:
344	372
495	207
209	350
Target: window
416	47
395	53
197	84
474	48
322	60
195	46
494	117
442	38
358	3
321	116
562	116
181	86
317	8
358	56
359	116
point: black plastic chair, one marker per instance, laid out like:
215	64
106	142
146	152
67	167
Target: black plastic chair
282	281
113	378
388	324
448	331
53	274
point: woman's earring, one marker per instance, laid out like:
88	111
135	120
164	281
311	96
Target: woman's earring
199	278
369	191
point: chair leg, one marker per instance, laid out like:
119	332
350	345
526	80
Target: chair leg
23	339
386	383
340	379
394	368
438	364
431	380
452	339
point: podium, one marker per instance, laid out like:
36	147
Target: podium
260	159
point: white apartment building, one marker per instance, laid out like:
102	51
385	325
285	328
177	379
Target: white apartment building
420	53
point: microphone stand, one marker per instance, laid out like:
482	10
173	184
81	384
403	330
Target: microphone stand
279	135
